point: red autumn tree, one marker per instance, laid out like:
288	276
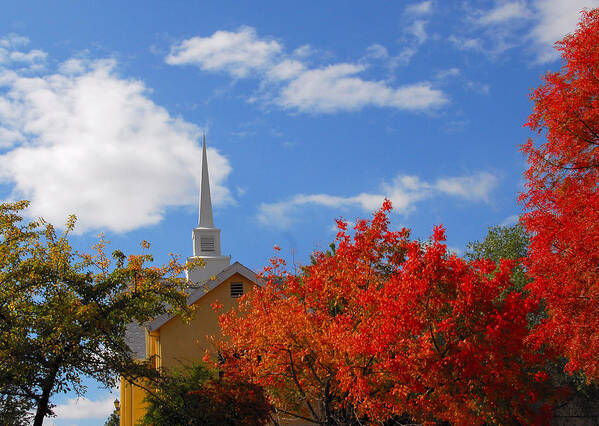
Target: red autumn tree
562	200
385	327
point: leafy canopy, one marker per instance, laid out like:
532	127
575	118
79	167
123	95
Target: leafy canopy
383	327
63	313
195	395
503	242
562	200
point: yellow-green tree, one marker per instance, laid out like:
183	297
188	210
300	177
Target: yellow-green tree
63	313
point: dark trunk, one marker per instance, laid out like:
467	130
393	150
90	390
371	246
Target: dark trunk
42	404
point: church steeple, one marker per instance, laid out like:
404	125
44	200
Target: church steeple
205	220
206	238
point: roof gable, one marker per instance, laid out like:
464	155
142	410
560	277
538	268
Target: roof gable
195	295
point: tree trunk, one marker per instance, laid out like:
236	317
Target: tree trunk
47	385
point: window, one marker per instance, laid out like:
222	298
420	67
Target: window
236	290
207	243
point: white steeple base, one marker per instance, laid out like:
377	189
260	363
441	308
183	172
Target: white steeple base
214	265
206	238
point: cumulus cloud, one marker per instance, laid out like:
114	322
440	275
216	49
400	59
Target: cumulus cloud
292	83
83	140
503	12
287	69
337	87
84	408
9	54
13	40
556	19
543	21
237	53
476	187
404	191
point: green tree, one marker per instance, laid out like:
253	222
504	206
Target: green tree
195	395
503	242
511	242
63	313
114	419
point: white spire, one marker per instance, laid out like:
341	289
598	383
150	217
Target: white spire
205	202
206	238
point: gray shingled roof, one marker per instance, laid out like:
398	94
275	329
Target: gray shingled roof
135	336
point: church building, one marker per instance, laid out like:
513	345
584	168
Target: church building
168	338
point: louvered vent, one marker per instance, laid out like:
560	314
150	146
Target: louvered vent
236	290
207	243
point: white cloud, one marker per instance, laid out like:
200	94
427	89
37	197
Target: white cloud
32	60
304	51
418	30
286	70
84	408
510	220
337	87
450	72
493	31
474	188
404	192
377	51
503	12
535	25
421	8
466	43
477	87
13	40
556	19
414	36
291	83
238	53
73	66
8	137
27	57
83	140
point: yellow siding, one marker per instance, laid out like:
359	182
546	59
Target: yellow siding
153	348
177	343
184	343
132	403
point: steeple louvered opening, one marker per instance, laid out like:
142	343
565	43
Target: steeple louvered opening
207	244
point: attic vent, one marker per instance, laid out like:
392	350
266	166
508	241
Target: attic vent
207	243
236	290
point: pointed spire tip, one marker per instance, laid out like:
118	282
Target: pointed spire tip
205	219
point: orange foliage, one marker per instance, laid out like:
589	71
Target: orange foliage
562	199
385	327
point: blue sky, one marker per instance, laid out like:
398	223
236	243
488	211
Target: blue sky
312	110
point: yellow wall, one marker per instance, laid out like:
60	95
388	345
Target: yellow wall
181	342
177	342
132	403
